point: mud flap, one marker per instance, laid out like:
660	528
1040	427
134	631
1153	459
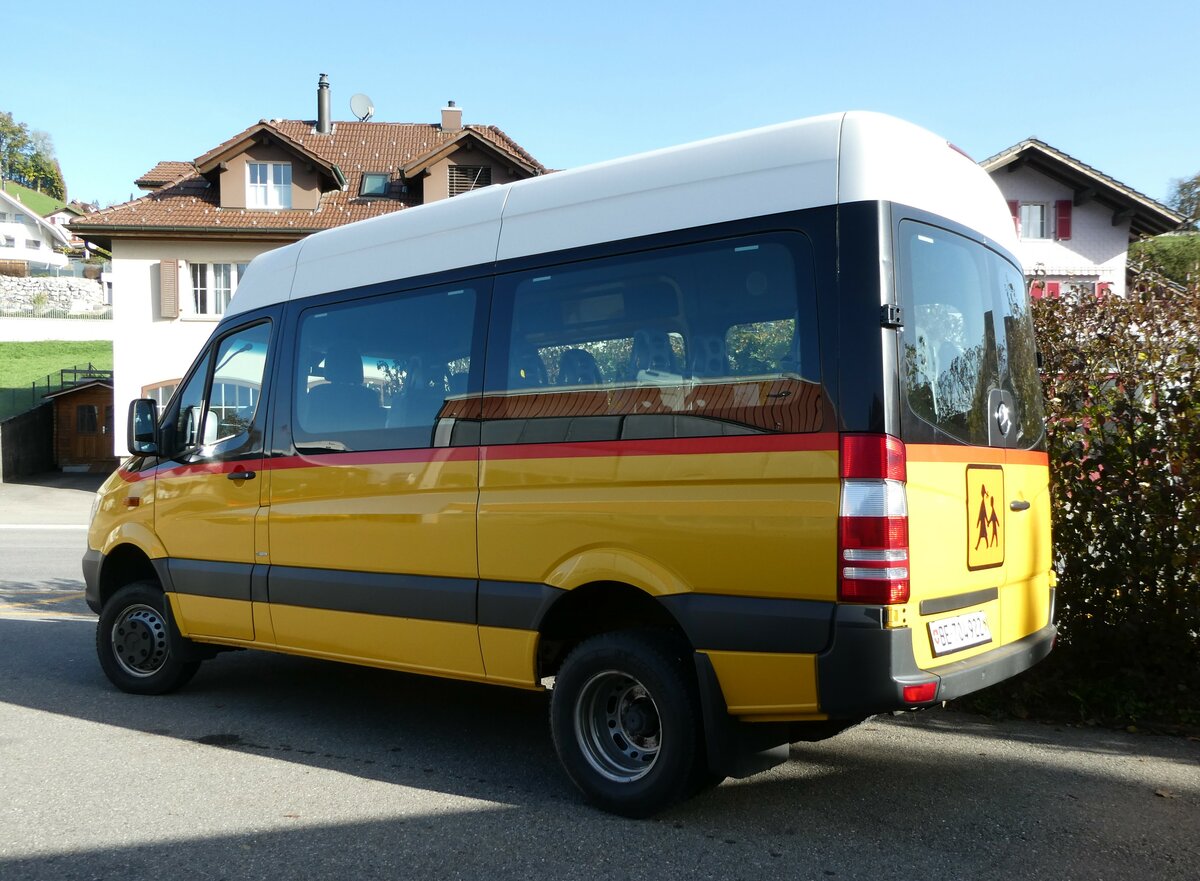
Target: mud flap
735	748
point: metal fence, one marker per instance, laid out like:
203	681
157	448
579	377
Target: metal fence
102	313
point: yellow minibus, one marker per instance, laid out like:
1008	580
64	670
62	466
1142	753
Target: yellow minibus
730	445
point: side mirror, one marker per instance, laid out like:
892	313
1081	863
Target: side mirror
142	431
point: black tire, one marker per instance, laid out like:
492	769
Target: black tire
138	643
625	718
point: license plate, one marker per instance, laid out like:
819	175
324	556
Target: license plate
958	633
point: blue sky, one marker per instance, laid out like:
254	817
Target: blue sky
1114	84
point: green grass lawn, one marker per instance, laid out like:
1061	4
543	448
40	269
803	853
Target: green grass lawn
23	363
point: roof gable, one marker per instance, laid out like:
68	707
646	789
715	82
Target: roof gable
470	139
1146	216
264	132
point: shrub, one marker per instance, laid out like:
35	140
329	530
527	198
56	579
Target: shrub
1123	417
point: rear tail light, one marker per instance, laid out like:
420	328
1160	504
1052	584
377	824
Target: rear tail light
873	521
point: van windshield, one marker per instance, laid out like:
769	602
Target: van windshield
968	342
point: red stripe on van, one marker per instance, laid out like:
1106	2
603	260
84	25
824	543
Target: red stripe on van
759	443
673	446
375	457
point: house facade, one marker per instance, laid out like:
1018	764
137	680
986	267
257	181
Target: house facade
27	241
179	251
1074	222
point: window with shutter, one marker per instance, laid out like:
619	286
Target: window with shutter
464	178
1062	220
1033	221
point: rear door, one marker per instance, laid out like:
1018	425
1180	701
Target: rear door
972	422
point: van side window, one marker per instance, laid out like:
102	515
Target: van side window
382	373
718	338
203	414
237	382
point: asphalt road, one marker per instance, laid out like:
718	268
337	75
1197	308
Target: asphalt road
274	767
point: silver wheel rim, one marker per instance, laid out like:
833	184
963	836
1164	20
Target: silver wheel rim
139	641
618	726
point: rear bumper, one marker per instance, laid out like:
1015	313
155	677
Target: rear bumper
865	669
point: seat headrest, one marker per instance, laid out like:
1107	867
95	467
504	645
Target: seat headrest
343	364
578	367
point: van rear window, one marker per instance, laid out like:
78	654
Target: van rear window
967	336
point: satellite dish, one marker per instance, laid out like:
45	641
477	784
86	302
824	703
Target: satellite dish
361	106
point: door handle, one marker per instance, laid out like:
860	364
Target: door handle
241	475
1020	505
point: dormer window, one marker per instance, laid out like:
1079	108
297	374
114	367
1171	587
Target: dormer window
268	185
375	183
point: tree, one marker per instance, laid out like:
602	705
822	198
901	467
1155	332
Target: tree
1185	197
1176	257
41	142
43	174
14	142
27	157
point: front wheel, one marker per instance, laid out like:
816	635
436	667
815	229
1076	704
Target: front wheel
135	640
625	720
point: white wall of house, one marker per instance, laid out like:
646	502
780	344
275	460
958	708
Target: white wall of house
23	238
148	349
1096	251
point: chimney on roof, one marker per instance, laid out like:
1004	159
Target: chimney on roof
451	118
323	125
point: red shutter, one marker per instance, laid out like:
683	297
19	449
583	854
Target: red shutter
1037	290
1052	289
1014	208
1103	289
1062	220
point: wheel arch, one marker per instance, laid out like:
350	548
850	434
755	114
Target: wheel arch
124	564
595	608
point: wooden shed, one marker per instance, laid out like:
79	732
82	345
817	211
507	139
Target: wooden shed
83	427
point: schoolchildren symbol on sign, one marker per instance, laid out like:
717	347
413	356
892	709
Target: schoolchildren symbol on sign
985	523
987	519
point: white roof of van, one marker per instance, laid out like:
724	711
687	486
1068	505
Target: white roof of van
823	160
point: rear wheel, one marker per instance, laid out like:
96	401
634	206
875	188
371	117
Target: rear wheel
138	643
626	723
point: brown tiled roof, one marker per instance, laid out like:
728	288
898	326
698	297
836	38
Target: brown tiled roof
190	203
164	173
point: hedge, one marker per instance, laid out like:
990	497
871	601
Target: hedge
1123	422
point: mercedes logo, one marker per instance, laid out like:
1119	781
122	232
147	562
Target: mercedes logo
1003	419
